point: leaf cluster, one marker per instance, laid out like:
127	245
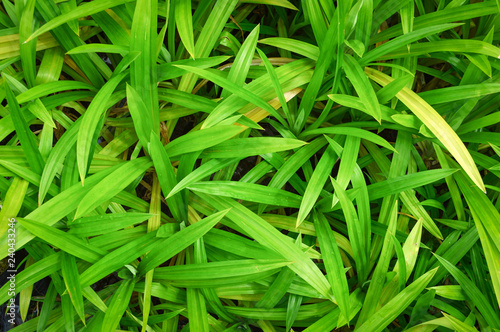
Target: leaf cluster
274	165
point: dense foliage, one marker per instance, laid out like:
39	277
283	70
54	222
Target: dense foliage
224	165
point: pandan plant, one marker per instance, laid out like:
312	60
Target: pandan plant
253	165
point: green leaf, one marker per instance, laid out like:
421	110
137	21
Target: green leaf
421	307
166	177
202	139
66	242
101	48
378	278
12	203
26	137
112	184
187	100
447	15
237	245
48	303
384	316
51	66
81	11
184	23
276	84
483	208
168	71
143	39
404	41
401	264
333	263
458	324
55	159
43	90
218	274
89	122
295	161
405	182
245	147
354	229
119	303
456	45
327	41
104	224
492	255
362	86
281	3
411	248
437	125
196	303
316	183
357	46
249	192
271	238
143	120
241	92
57	208
241	64
470	289
364	21
455	93
279	314
177	242
355	132
293	45
213	27
35	272
292	309
72	281
452	292
126	253
28	50
390	90
201	172
277	289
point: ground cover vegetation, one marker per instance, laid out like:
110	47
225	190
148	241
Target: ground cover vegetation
254	165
